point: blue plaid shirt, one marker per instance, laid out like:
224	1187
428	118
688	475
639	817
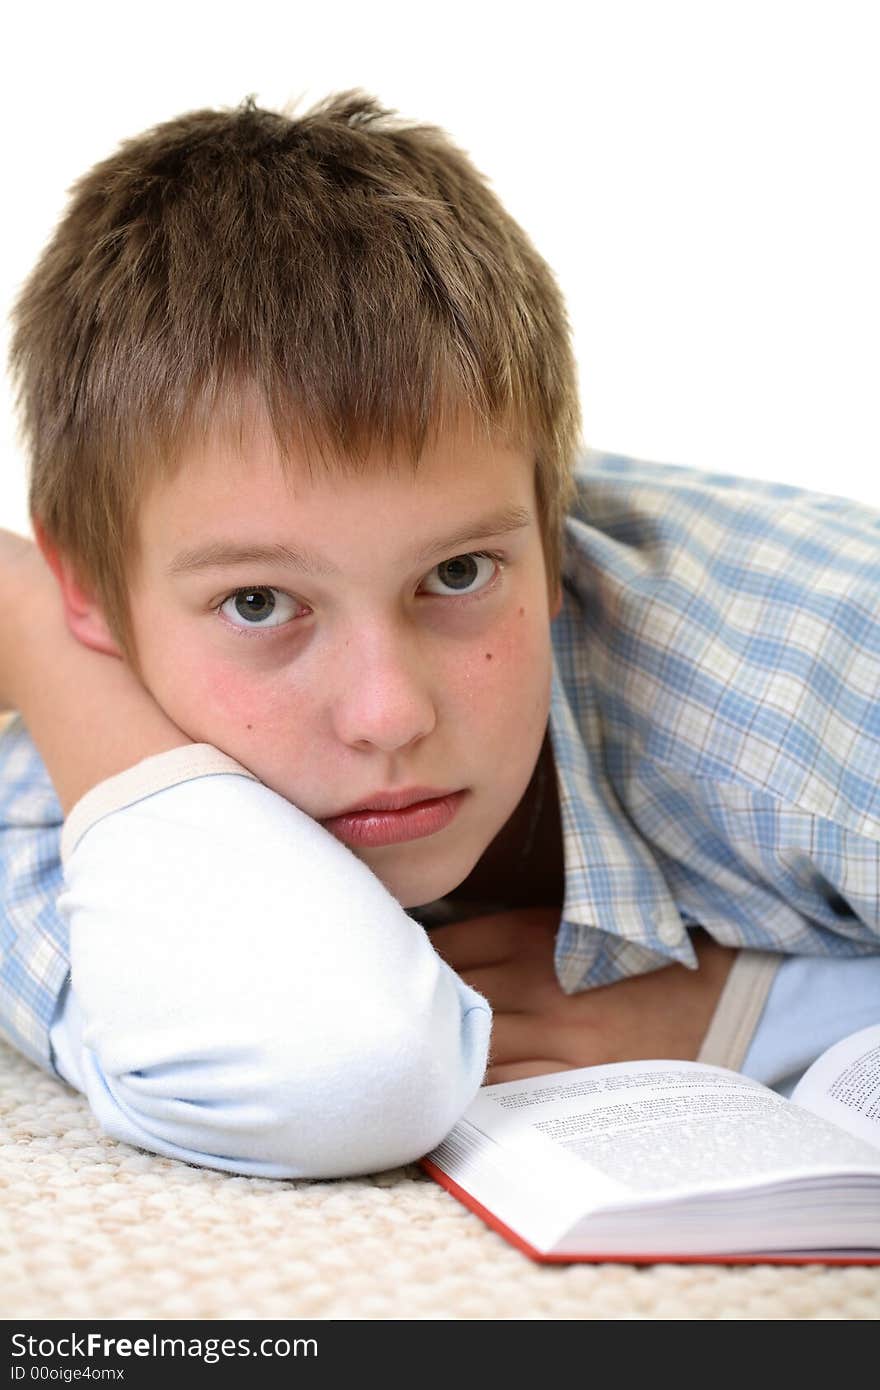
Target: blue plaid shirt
715	723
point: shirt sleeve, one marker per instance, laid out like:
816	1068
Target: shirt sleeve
813	1003
777	1014
245	994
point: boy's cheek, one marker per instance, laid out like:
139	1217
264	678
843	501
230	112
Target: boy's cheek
506	681
216	702
519	648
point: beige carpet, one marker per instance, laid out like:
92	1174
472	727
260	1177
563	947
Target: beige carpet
94	1228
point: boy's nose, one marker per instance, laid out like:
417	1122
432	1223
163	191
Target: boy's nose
383	698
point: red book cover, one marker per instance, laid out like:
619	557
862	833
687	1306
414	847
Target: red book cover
647	1259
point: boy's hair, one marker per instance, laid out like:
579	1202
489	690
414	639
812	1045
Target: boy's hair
353	272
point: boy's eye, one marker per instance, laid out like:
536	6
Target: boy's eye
262	606
258	607
465	574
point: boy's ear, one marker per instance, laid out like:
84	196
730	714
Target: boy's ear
84	616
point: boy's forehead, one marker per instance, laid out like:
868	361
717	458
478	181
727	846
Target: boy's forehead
249	471
236	498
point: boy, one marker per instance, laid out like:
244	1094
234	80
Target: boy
296	668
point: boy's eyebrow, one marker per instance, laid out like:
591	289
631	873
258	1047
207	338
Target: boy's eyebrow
220	554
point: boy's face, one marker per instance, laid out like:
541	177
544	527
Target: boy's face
390	655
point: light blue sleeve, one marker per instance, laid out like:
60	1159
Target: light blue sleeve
812	1004
247	996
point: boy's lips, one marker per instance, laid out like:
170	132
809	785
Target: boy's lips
393	800
393	817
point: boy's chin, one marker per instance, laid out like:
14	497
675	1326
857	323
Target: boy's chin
422	896
424	888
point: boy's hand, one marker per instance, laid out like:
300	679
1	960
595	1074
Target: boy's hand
508	957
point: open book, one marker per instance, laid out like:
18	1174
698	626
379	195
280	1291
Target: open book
666	1160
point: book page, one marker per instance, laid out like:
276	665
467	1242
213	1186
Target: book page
844	1084
661	1128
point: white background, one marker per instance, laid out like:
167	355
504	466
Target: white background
702	177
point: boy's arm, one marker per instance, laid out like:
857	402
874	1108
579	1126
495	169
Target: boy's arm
253	999
88	714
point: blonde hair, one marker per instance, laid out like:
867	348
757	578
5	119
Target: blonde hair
352	270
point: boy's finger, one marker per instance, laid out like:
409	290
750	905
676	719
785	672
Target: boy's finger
509	987
515	1071
475	942
524	1038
